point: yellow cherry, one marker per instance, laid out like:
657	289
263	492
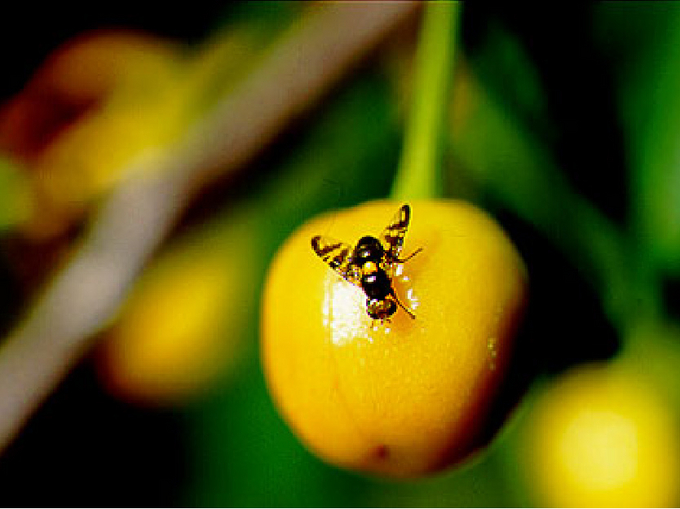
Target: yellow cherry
602	436
181	330
409	396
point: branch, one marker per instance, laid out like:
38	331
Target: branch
313	56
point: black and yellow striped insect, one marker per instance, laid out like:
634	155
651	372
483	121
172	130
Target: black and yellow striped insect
370	264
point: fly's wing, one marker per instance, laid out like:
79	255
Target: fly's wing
392	237
338	255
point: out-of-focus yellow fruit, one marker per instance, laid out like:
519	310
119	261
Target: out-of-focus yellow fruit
181	330
140	113
408	397
105	104
602	437
99	103
79	78
90	65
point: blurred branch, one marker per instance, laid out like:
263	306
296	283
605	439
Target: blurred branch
302	66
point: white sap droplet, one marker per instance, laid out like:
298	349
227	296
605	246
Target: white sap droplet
344	310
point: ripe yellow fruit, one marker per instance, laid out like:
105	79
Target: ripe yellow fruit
181	330
602	437
408	397
100	103
139	112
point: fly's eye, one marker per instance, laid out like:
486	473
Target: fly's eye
373	315
378	309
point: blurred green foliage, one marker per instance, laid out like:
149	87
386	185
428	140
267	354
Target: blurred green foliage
14	195
571	142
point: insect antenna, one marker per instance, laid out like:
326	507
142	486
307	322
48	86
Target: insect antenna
402	260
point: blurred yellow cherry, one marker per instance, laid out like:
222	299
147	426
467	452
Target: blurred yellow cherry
181	329
602	436
104	105
100	102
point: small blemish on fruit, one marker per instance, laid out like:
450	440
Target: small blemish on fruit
382	452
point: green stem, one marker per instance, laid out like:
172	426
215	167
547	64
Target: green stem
420	171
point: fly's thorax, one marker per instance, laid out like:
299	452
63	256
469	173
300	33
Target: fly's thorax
368	249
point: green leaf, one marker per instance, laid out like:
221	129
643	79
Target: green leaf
643	42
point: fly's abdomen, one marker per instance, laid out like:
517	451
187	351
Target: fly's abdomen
376	284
